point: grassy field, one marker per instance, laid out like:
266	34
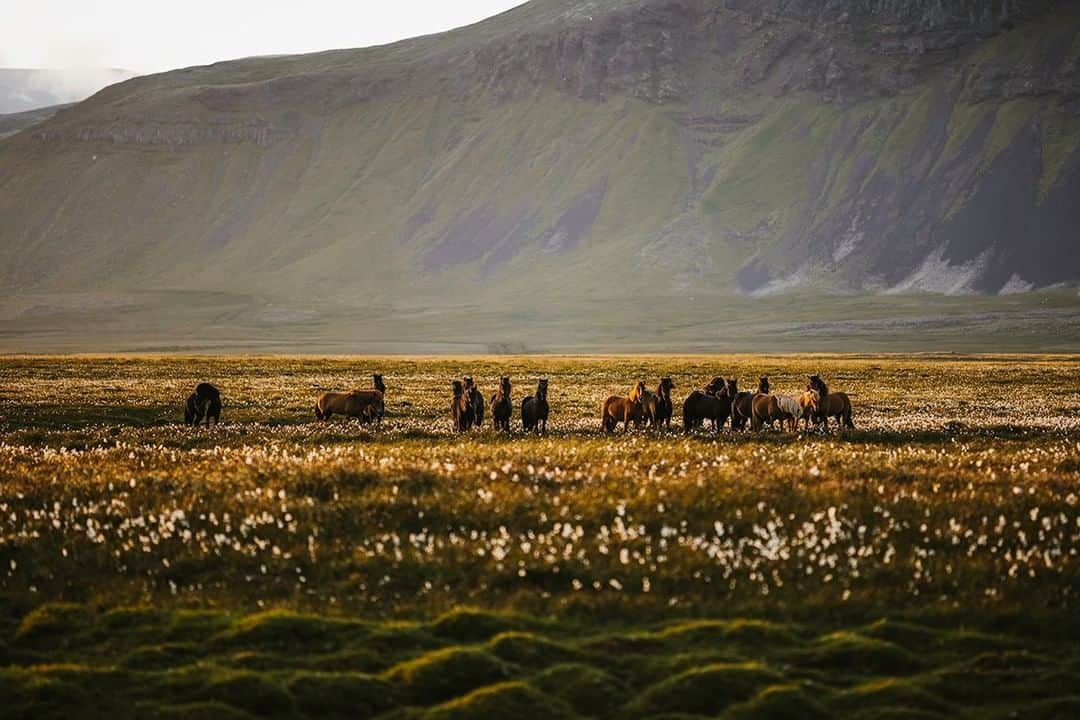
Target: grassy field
921	566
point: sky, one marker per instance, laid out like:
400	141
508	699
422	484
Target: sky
152	36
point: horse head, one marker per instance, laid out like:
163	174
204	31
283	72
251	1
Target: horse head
541	388
458	389
763	385
637	391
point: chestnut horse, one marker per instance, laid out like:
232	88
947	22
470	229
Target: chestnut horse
502	407
461	408
363	404
742	405
831	404
808	403
767	409
617	409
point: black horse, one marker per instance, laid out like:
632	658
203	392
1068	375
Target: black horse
476	399
205	402
534	409
502	407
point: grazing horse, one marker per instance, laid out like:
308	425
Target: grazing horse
363	404
476	398
700	406
742	404
461	408
205	402
534	409
378	384
502	407
617	409
831	404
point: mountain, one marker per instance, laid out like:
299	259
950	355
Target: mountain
30	89
12	123
570	170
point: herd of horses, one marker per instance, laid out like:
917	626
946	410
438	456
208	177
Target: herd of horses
717	402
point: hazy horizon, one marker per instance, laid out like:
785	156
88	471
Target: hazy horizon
72	36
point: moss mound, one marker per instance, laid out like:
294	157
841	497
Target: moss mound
779	702
160	657
888	694
855	652
706	690
469	625
448	673
584	688
252	692
56	622
530	650
744	631
341	695
294	632
506	700
192	711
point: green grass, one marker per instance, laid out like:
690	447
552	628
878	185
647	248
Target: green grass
918	566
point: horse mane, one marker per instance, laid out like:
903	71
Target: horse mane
822	388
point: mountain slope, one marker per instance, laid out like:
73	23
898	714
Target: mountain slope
597	151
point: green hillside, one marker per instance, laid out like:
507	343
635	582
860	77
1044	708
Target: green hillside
567	168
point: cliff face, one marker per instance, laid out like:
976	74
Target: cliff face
744	146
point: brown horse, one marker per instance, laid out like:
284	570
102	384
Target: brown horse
767	409
378	384
657	406
363	404
617	409
502	407
461	408
831	404
476	398
742	404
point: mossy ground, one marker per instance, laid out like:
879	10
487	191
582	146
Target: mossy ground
920	566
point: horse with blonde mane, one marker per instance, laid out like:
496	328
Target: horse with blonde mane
366	405
617	409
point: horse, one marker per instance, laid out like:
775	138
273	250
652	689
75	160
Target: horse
617	409
766	409
205	402
791	406
808	402
700	406
378	384
476	398
831	404
461	408
657	406
502	407
742	406
366	405
534	409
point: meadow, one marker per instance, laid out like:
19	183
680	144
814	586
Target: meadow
922	565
